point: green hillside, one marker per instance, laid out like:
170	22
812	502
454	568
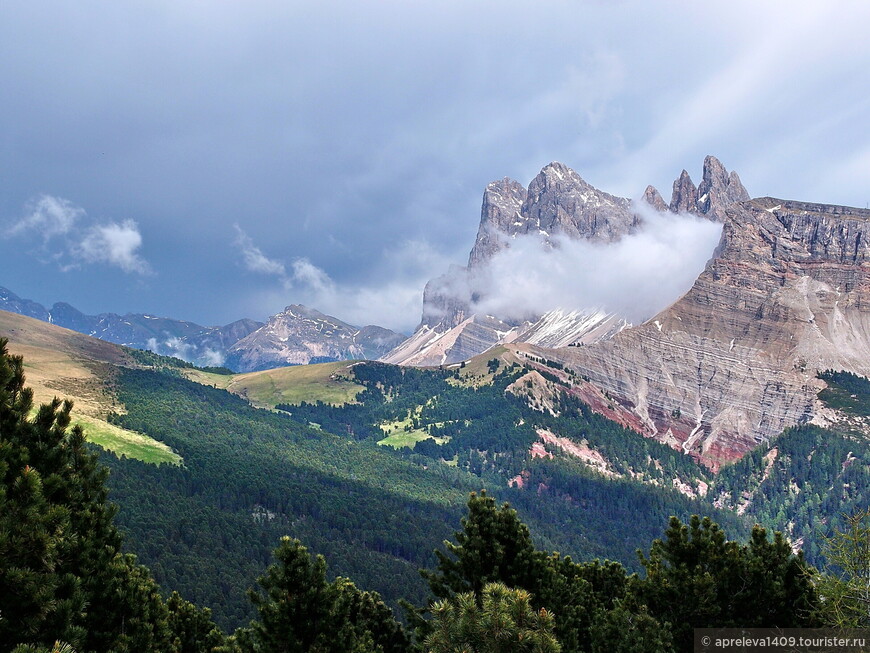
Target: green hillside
63	363
331	383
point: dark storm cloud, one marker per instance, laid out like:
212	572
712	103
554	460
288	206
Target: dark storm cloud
358	137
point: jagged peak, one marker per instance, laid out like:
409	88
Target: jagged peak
556	170
505	183
713	168
718	189
685	194
652	197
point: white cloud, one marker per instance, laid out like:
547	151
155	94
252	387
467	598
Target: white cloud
254	259
211	358
393	301
115	244
636	276
71	239
49	217
307	274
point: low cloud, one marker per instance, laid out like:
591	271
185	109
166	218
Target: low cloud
212	358
114	244
49	217
69	237
253	258
636	277
393	301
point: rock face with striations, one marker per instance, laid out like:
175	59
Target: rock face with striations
301	335
734	361
557	204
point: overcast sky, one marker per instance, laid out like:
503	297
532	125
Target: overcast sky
213	160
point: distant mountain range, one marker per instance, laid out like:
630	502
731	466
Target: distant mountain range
301	335
296	336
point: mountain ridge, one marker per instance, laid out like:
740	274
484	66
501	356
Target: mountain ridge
558	203
300	335
733	361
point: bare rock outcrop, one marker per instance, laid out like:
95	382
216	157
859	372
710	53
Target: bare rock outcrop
717	191
734	361
652	197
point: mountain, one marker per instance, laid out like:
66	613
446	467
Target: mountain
557	204
301	335
734	361
166	336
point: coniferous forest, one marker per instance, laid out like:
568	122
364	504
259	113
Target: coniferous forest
335	530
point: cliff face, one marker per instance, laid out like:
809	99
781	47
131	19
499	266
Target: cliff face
734	361
558	203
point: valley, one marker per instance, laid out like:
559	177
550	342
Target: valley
744	400
510	423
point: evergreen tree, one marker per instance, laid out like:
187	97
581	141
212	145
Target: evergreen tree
628	628
845	587
63	575
300	612
698	579
493	546
503	622
192	627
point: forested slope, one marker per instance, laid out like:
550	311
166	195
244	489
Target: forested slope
251	476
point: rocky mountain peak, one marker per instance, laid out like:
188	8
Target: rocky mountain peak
502	203
560	202
556	175
298	311
300	335
652	197
718	190
685	195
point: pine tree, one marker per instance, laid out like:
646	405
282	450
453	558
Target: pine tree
493	546
503	621
192	627
300	612
698	579
846	585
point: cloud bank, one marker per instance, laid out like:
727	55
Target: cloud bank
636	276
394	304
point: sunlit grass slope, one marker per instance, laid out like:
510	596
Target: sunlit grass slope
327	382
62	363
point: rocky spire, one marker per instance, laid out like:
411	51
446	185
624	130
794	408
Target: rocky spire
502	202
652	197
685	196
718	190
